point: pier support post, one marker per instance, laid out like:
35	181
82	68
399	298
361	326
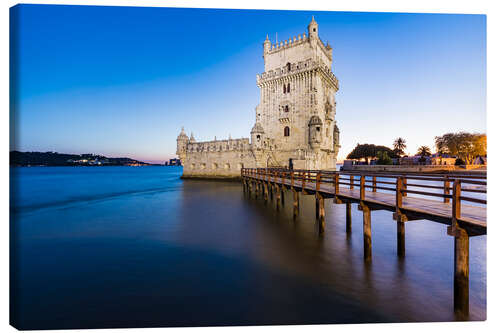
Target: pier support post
295	204
348	217
282	197
256	189
321	212
367	233
401	238
266	193
317	207
278	197
271	190
461	276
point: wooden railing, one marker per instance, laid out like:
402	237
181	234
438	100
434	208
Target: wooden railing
445	186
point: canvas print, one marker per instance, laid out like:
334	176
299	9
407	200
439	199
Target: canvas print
214	167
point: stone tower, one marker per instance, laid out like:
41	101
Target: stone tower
295	118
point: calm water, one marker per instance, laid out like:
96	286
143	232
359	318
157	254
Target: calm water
134	247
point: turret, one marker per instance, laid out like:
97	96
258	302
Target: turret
315	132
312	28
182	141
257	134
192	139
267	45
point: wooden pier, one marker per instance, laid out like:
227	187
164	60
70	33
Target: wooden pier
438	197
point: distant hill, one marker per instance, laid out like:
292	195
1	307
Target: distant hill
18	158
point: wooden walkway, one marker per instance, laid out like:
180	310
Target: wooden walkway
472	217
410	196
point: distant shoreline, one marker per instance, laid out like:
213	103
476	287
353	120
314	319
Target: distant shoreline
18	158
86	166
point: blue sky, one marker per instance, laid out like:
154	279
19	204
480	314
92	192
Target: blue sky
121	81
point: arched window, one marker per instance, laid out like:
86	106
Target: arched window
286	108
288	88
288	66
287	131
284	88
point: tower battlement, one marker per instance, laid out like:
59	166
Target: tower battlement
297	68
219	145
298	40
287	43
298	48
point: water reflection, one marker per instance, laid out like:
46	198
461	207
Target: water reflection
417	288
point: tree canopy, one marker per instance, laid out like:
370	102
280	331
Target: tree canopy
464	145
424	151
383	158
399	146
366	151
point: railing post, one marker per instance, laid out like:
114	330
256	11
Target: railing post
456	204
303	180
399	197
337	185
291	177
374	184
446	189
362	187
351	182
405	187
318	181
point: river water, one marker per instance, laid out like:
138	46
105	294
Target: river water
99	247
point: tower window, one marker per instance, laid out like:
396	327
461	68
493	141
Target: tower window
258	138
287	131
288	88
288	66
284	88
286	108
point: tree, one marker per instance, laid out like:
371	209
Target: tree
369	151
399	146
424	151
464	145
383	158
